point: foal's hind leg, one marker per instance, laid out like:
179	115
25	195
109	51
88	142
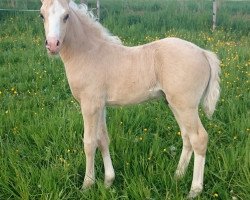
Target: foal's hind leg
195	137
187	149
199	144
103	144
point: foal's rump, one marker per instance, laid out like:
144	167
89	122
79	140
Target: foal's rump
183	71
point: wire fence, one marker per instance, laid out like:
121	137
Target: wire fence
18	10
26	5
34	5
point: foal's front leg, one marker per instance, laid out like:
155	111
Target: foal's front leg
103	144
91	115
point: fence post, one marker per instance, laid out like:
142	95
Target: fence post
98	9
13	3
214	13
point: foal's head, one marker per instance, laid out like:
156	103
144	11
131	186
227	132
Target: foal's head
55	14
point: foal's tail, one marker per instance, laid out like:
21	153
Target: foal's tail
212	92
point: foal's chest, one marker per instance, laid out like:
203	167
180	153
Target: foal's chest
75	79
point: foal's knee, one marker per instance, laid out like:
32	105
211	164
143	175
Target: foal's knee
89	147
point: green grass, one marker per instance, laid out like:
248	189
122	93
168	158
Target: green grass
41	125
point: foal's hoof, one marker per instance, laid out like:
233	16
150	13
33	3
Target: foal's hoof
109	179
87	184
179	174
194	193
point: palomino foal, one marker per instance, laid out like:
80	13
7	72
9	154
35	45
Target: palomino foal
101	71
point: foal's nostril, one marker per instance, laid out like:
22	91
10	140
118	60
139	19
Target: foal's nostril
46	42
57	43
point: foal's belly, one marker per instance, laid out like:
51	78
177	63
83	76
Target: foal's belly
128	98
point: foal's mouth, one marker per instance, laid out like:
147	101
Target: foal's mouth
53	53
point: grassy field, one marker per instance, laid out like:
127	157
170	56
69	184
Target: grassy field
41	153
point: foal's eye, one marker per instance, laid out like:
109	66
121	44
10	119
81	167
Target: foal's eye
66	18
41	15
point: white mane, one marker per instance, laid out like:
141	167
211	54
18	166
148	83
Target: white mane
82	10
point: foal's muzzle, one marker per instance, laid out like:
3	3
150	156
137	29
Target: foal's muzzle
52	45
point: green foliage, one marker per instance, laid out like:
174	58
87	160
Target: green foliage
41	125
